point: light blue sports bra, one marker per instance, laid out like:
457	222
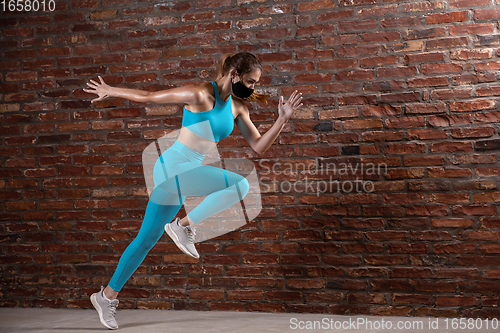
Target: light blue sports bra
213	125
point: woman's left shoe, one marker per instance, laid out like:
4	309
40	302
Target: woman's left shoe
183	237
106	309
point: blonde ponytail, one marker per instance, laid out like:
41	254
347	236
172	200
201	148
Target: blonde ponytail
222	62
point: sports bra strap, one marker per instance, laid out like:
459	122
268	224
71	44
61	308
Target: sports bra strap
216	92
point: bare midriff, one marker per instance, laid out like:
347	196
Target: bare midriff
195	142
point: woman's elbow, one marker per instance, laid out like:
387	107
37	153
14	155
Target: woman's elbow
259	150
151	97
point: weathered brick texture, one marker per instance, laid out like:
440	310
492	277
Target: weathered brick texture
381	196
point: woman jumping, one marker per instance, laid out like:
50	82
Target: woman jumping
210	111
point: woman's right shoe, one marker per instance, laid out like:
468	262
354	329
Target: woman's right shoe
106	309
183	237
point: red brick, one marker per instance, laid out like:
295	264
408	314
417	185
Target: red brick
447	43
444	121
396	71
315	5
476	132
260	22
401	97
336	64
431	210
199	16
391	284
474	210
424	57
473	105
212	3
467	3
306	283
444	94
401	22
378	61
485	28
455	301
54	51
33	64
245	295
442	68
358	25
491	66
488	91
446	17
451	146
412	299
468	79
266	307
371	37
203	27
206	294
486	14
96	48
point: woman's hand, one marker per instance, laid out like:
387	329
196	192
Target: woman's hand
101	89
286	110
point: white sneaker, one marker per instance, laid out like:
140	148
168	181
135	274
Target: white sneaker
106	309
183	237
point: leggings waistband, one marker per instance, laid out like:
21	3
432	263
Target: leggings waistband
187	152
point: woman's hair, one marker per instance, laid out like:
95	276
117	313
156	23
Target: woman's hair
243	62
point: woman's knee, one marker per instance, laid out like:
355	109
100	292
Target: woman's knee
240	182
244	187
141	245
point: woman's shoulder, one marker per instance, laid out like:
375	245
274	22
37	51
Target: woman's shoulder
201	91
206	89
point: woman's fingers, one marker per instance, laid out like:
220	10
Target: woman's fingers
298	101
295	100
90	91
298	96
95	89
100	98
294	97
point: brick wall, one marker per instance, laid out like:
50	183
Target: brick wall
408	86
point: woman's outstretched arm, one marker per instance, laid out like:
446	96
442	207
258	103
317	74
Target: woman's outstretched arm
261	143
183	95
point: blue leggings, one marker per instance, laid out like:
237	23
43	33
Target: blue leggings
179	173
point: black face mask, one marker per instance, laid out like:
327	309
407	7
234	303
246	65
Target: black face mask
240	90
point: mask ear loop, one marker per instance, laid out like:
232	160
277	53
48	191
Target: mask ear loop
237	73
